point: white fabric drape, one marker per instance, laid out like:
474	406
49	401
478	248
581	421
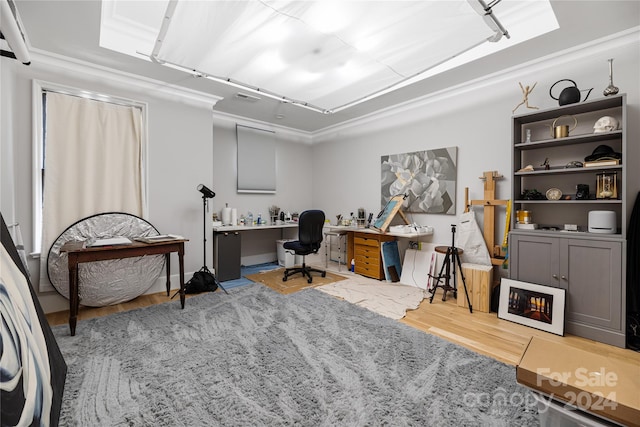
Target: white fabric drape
93	164
16	235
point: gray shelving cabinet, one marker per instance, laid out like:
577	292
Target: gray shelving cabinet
590	267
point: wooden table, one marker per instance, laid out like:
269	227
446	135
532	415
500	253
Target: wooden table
77	254
603	381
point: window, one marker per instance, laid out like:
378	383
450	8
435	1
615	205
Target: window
42	93
256	160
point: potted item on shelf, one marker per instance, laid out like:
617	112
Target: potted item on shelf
532	195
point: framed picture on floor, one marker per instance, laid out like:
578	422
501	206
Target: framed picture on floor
537	306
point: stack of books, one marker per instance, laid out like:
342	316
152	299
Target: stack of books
600	163
523	226
159	238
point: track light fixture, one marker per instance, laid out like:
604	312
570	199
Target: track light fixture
12	32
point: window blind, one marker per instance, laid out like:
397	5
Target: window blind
256	160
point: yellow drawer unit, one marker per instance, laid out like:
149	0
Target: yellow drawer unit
366	254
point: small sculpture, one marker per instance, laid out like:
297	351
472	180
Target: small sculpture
611	89
528	168
605	124
526	90
546	164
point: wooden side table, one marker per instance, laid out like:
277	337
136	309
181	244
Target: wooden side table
78	254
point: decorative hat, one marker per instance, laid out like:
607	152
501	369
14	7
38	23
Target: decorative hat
603	152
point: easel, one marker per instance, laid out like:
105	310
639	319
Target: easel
387	214
490	203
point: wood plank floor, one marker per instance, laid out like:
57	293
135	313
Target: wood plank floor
483	333
486	334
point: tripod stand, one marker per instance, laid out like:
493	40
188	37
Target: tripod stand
451	258
204	268
204	242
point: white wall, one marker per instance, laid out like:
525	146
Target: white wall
186	148
293	186
476	118
293	177
340	172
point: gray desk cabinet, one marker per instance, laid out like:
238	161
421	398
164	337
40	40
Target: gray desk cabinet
589	269
226	255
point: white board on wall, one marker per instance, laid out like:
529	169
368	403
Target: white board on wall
256	160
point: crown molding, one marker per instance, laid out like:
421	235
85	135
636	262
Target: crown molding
72	67
47	61
282	132
415	109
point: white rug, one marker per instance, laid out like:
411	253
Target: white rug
387	299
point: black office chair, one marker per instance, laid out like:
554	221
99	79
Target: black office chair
310	225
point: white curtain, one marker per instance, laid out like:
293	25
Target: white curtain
93	164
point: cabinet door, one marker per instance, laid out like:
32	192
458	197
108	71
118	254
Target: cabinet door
535	259
592	271
226	256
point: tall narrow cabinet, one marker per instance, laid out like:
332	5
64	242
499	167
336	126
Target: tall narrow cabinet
589	266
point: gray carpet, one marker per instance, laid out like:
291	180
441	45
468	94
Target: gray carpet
255	357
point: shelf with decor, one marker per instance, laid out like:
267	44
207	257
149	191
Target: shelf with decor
552	186
570	202
563	170
541	162
569	140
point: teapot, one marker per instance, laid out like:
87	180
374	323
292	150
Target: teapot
570	94
562	131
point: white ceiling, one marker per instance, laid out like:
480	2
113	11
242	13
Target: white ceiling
72	29
322	55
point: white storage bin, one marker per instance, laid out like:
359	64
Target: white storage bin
286	258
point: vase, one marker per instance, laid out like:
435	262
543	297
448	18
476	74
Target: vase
611	89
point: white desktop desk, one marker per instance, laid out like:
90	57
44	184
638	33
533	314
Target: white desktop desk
227	246
411	235
227	243
238	228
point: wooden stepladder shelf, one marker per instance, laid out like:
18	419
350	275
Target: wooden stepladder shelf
490	202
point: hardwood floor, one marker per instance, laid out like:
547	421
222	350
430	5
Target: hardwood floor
483	333
62	317
486	334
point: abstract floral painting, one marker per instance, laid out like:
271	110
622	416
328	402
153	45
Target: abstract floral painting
428	178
